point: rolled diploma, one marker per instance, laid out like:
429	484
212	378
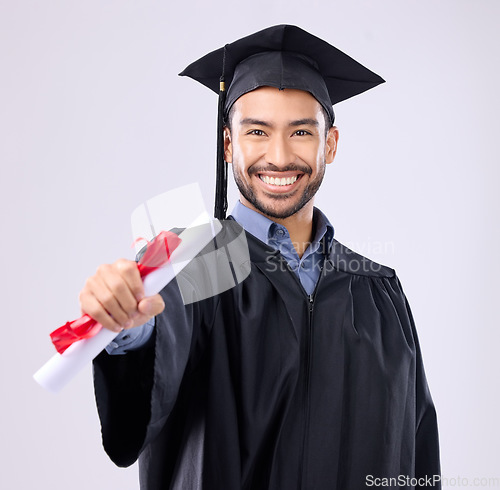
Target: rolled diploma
55	374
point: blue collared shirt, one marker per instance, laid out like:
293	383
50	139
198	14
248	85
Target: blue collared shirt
307	268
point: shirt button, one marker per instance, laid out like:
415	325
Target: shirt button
280	232
303	265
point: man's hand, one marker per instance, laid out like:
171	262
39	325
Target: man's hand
114	297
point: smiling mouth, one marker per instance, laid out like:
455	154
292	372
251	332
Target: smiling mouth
279	181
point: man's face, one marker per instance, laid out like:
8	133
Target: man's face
278	149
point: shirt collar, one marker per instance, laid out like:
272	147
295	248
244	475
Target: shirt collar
263	228
253	222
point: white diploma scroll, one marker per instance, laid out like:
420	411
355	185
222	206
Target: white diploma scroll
62	368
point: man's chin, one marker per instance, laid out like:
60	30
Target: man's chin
276	208
278	205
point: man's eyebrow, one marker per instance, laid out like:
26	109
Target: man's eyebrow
299	122
305	122
256	122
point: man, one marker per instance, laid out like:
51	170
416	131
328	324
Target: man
308	374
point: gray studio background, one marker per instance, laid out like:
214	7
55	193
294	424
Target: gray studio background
94	120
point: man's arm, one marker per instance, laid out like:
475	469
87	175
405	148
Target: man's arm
136	392
427	459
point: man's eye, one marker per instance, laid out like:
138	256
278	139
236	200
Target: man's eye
302	132
257	132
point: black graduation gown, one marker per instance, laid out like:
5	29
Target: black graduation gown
264	387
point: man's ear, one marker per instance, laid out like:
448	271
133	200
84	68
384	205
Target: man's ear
228	147
332	139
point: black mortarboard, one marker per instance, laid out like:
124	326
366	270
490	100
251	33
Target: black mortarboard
282	56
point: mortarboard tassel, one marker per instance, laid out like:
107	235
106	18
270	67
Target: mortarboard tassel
221	176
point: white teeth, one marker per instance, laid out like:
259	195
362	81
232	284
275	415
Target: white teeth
277	180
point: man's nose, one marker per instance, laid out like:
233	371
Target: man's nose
279	151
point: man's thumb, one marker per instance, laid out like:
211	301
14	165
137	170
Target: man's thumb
151	306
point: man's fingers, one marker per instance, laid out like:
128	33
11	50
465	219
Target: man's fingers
151	306
95	309
126	302
130	273
105	291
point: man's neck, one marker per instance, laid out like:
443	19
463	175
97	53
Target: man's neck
299	225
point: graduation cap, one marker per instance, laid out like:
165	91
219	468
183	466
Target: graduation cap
282	56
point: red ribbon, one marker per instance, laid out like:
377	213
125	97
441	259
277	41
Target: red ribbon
157	254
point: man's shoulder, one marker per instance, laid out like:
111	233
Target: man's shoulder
346	260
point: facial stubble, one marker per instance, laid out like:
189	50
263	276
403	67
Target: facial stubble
309	192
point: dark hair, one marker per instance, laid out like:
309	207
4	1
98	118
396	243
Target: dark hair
328	123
